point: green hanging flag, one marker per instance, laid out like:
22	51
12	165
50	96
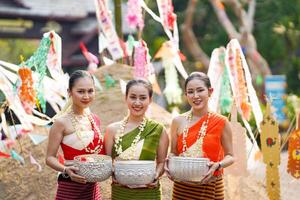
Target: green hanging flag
37	63
109	81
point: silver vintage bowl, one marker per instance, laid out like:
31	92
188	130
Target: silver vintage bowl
188	168
135	172
94	167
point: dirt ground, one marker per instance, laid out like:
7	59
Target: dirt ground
26	183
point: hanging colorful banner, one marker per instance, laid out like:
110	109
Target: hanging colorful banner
172	91
140	60
108	30
215	72
54	56
37	139
293	166
135	14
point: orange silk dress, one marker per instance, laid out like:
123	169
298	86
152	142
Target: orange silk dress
212	149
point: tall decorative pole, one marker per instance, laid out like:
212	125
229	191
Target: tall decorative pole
270	145
118	17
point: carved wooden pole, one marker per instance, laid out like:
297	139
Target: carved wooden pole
270	145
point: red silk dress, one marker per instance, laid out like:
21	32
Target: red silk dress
70	190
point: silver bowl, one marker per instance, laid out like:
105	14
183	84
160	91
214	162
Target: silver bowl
135	172
94	167
188	168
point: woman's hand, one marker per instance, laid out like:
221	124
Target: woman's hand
209	177
167	170
71	171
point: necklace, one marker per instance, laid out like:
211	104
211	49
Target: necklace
200	136
97	148
120	134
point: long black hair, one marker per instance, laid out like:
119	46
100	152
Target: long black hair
141	81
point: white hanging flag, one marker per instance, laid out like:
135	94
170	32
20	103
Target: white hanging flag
37	139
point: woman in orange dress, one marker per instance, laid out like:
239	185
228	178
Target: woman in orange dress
201	133
77	132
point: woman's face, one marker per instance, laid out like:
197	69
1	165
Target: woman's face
83	92
197	94
138	99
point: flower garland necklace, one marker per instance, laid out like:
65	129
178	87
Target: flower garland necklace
200	136
98	148
120	134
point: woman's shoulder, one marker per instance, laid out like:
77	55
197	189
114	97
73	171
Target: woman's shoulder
180	118
113	127
62	119
218	117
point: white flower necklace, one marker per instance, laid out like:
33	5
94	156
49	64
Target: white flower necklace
120	134
98	148
200	136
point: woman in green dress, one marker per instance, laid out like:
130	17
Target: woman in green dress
137	138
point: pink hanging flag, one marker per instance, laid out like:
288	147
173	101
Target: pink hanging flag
34	162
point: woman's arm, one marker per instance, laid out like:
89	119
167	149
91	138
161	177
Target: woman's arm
226	140
55	138
109	139
173	135
162	153
227	146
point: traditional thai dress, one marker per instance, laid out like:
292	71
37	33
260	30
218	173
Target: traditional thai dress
212	149
146	150
71	147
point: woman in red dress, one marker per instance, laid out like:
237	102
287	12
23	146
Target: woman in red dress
77	132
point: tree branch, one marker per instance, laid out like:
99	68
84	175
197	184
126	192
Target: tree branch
224	20
189	37
251	13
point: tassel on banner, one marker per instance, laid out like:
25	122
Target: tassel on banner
17	157
4	155
34	162
172	90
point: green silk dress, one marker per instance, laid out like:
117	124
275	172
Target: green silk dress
151	136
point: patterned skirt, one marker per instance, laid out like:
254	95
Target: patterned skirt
210	191
123	193
70	190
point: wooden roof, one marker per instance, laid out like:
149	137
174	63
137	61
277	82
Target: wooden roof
54	9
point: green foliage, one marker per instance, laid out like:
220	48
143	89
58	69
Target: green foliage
11	49
276	29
